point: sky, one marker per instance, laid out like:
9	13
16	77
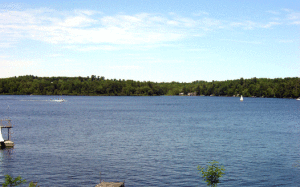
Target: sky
150	40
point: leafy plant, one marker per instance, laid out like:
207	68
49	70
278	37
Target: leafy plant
10	181
32	184
212	173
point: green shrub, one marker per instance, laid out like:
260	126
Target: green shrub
10	181
212	173
32	184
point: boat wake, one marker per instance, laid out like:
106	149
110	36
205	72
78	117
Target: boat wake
34	100
58	100
51	100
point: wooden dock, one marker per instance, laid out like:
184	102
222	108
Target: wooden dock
7	143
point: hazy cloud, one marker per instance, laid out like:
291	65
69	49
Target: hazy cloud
286	41
78	21
295	23
273	12
249	25
243	41
246	24
270	24
15	63
200	13
94	28
125	67
94	48
293	16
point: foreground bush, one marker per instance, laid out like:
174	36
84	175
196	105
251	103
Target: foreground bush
10	181
212	173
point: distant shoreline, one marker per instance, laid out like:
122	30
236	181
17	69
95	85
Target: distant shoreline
99	86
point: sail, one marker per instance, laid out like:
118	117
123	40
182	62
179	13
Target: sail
241	99
1	138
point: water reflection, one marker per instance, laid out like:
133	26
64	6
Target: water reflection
8	152
1	160
1	166
6	156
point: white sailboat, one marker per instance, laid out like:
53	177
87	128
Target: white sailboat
241	99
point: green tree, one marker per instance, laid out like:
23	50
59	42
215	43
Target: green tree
96	85
212	173
10	181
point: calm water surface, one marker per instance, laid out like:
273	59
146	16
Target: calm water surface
152	141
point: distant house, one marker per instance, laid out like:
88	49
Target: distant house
192	94
181	94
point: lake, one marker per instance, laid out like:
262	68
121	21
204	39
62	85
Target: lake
151	141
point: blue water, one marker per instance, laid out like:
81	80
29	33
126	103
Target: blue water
152	141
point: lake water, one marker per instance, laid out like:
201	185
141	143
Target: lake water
152	141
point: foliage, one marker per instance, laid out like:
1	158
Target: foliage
32	184
212	173
10	181
96	85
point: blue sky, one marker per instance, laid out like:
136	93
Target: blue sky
150	40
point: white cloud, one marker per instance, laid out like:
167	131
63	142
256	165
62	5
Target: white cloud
249	25
286	41
287	10
197	49
81	29
293	16
173	23
210	23
125	67
246	24
186	22
6	44
94	48
273	12
87	12
160	61
243	41
200	13
4	56
55	55
78	21
295	23
94	28
15	63
10	6
270	24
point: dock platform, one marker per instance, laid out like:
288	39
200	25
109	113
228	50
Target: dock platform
6	124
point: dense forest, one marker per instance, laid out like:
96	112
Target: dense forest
96	85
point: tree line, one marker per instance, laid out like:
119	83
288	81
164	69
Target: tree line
99	86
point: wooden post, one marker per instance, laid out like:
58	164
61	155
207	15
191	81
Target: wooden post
8	134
